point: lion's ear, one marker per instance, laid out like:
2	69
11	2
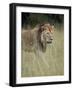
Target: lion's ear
43	43
41	27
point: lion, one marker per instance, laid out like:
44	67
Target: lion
37	38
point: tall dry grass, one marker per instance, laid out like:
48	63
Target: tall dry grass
50	63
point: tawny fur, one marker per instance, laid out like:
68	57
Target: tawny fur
37	38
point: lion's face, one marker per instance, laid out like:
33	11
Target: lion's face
47	33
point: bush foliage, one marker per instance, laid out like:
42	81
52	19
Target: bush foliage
32	19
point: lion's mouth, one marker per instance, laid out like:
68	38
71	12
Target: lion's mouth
49	42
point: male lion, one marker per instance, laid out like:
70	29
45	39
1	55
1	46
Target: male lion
34	52
37	38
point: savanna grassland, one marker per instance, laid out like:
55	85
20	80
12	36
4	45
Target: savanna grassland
50	63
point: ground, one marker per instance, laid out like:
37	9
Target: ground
51	65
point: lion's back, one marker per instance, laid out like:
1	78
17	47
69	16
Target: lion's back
28	40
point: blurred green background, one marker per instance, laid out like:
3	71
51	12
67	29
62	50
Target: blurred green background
32	19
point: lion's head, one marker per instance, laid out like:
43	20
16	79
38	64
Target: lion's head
46	35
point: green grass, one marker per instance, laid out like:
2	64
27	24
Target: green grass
50	63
